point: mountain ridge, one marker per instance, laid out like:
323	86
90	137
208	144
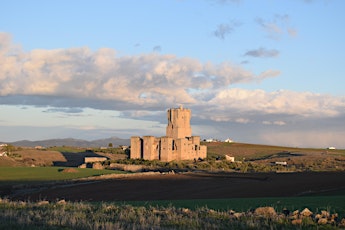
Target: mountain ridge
73	142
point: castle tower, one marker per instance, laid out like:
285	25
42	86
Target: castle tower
179	123
178	144
136	147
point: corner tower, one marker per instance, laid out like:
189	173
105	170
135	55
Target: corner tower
179	123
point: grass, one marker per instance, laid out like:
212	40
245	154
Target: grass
13	174
254	151
66	149
84	215
331	203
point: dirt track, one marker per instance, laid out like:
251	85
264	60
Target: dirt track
196	186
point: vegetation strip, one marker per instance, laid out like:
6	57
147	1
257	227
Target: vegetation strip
83	215
331	203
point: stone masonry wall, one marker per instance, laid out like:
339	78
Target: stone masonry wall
178	144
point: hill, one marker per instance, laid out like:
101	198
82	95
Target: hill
256	151
303	158
73	142
252	155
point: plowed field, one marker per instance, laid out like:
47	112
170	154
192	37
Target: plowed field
196	186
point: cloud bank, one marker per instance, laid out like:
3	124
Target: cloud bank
147	80
139	86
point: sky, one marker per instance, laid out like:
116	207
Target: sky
265	72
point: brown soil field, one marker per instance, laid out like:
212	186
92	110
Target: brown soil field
241	151
30	156
256	151
195	186
324	159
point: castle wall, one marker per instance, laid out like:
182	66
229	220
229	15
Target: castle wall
199	151
202	153
150	148
181	149
195	140
178	144
166	149
136	148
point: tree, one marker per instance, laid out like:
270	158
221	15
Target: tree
110	145
9	148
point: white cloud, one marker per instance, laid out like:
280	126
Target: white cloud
303	104
269	73
274	122
79	73
242	120
79	77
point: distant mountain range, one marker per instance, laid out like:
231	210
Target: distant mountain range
115	141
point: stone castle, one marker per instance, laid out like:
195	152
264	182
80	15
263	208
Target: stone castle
178	144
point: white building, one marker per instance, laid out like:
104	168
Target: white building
229	140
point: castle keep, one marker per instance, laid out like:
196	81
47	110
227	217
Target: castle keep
178	144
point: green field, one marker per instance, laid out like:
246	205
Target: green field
334	204
13	174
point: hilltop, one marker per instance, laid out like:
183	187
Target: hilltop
298	158
115	141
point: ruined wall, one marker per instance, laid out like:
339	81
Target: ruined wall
94	159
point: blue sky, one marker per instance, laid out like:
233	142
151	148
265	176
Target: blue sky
263	71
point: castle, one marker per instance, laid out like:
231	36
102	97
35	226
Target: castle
178	144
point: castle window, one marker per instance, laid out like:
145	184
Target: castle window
173	145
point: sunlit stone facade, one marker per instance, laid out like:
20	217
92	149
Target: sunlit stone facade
178	144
